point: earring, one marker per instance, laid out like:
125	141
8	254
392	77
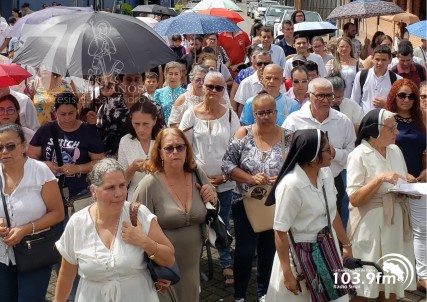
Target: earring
163	163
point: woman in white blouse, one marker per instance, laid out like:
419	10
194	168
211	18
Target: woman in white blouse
209	126
135	147
107	251
34	203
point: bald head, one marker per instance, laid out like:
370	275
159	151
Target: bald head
272	79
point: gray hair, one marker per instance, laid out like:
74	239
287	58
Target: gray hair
338	84
263	54
319	82
197	69
214	75
101	168
171	65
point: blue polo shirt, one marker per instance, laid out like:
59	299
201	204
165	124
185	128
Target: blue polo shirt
284	107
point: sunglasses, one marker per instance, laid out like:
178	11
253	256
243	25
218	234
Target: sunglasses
218	88
259	64
7	111
178	148
8	147
411	97
300	81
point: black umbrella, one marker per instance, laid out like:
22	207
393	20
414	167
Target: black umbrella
96	43
155	9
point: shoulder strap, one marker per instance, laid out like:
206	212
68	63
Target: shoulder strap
393	77
420	71
327	208
363	77
283	144
229	116
357	65
54	133
6	212
133	212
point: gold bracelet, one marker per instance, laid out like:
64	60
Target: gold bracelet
152	257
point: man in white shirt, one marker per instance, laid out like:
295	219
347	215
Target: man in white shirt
27	111
318	114
4	32
301	45
276	52
250	86
421	51
378	80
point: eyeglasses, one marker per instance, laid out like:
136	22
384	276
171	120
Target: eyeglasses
423	96
199	80
318	46
391	128
107	85
178	148
218	88
411	97
259	64
7	111
322	96
300	81
298	63
267	113
8	147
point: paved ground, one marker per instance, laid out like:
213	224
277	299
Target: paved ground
215	290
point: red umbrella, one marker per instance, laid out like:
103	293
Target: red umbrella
12	74
223	12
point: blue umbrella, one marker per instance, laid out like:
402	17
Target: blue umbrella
194	24
418	29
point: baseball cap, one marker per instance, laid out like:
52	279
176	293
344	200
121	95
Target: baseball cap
299	58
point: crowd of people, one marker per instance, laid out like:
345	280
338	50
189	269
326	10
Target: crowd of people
323	130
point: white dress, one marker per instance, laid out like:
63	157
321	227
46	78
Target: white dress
130	150
348	74
117	276
373	238
301	208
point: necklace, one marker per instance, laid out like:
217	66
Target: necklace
402	119
183	203
110	262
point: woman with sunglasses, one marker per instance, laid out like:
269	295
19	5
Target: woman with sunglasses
301	210
344	64
173	194
193	95
209	127
403	100
379	219
167	96
34	204
254	157
9	114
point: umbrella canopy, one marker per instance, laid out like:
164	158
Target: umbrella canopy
149	21
403	17
194	24
97	43
418	29
44	14
222	12
155	9
12	74
364	9
312	29
207	4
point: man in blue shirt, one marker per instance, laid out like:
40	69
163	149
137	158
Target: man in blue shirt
272	79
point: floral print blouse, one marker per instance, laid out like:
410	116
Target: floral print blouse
165	97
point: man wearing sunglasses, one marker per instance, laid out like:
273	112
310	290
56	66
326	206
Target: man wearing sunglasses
252	85
318	114
301	45
272	80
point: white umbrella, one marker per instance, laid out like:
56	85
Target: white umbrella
207	4
312	29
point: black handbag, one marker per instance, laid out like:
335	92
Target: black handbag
35	251
215	231
157	272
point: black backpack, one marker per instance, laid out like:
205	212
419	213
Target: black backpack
419	70
364	75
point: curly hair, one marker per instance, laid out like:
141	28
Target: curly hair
416	113
155	162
